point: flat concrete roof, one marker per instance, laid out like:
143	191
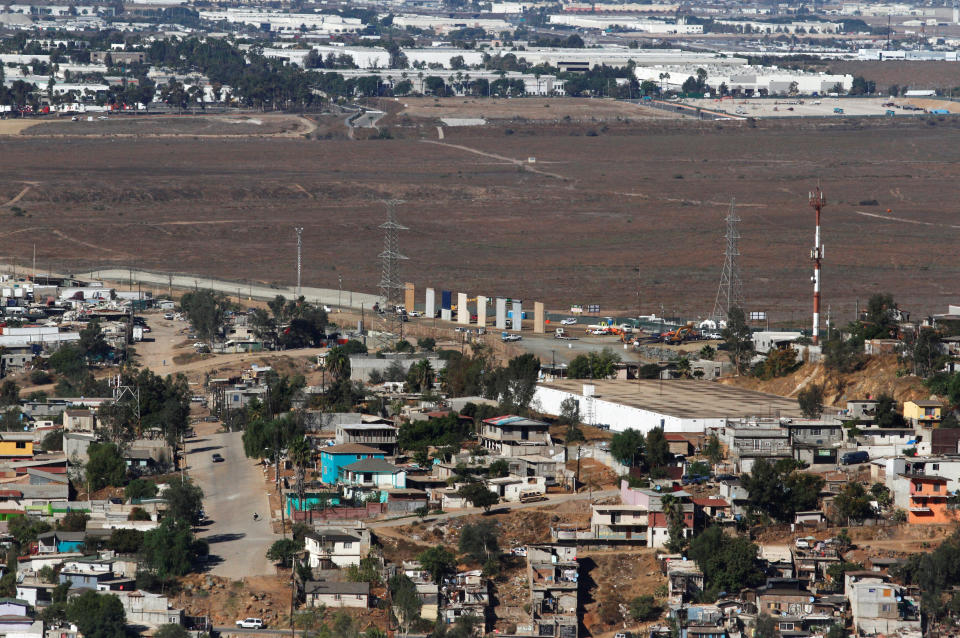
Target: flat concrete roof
684	398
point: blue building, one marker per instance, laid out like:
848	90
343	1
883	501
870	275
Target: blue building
336	457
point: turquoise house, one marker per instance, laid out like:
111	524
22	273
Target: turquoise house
336	457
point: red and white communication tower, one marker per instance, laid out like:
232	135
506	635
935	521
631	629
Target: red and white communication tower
817	202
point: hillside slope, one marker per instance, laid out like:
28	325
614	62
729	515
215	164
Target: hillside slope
877	377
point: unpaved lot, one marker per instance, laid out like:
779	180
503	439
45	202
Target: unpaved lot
531	108
572	228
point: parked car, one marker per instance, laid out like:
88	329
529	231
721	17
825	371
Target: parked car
217	458
168	316
519	551
569	321
852	458
250	623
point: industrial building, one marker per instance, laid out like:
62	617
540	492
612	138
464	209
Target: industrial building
676	405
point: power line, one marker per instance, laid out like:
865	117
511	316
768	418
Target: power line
299	231
730	290
390	322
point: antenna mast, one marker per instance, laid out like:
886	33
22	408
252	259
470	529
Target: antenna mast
817	202
391	323
730	291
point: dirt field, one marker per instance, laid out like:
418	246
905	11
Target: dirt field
600	201
916	75
154	125
527	109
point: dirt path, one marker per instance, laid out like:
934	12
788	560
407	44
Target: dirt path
20	195
520	163
890	218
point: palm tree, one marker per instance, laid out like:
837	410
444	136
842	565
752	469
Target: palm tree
422	375
338	364
300	455
673	512
683	368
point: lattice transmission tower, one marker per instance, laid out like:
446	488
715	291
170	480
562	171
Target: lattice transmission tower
730	291
390	323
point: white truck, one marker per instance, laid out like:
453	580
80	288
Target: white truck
250	623
561	333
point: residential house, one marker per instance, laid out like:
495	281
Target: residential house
334	594
923	412
76	420
382	436
749	440
467	594
552	572
334	458
779	559
551	468
373	473
620	522
20	627
679	443
333	547
879	607
16	445
59	542
511	488
151	610
36	593
947	467
685	581
783	596
862	410
815	442
14	607
514	435
923	497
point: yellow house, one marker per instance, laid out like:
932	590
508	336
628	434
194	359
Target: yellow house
16	445
922	411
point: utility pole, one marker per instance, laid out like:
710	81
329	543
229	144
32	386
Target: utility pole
299	231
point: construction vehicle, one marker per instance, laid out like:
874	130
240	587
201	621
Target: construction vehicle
680	335
561	333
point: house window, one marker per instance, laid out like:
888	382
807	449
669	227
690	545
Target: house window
884	608
786	626
348	545
21	445
936	487
935	466
814	431
336	596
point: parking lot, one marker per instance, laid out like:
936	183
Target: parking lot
820	106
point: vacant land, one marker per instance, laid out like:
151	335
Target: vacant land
532	109
152	125
573	227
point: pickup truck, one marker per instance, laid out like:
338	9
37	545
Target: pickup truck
506	337
250	623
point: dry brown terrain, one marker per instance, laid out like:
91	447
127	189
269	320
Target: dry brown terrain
544	109
904	73
601	200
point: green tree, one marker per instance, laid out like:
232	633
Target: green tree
810	400
206	311
9	393
92	343
283	551
765	627
852	504
24	530
479	496
105	466
673	512
73	522
780	491
712	449
728	563
644	608
657	452
184	502
438	561
125	541
406	601
139	489
738	339
515	385
97	615
498	469
881	493
337	363
170	631
479	541
171	549
887	415
627	447
420	376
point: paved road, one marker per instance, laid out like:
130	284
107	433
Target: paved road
233	491
472	511
330	297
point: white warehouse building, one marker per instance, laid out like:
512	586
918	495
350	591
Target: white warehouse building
676	405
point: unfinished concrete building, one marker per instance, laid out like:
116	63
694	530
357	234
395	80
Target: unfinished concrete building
552	572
